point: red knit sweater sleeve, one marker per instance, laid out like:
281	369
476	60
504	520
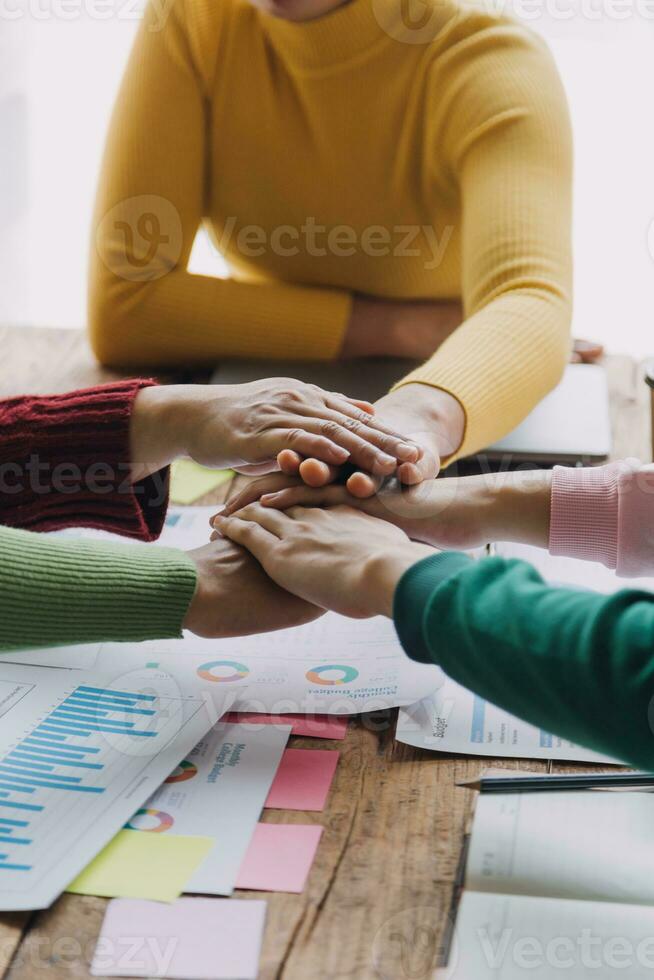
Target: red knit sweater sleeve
64	461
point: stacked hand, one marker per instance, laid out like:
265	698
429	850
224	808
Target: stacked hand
443	513
234	596
351	555
248	426
430	419
281	423
339	558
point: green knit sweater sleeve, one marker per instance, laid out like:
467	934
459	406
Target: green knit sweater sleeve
56	591
575	663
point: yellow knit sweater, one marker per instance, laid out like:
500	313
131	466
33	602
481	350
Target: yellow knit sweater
353	153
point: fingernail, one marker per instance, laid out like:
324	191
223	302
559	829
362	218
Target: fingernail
407	452
341	453
385	458
266	497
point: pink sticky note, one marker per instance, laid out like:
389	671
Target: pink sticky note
190	939
279	857
315	726
303	779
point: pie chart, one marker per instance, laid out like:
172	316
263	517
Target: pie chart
185	770
223	671
329	675
154	821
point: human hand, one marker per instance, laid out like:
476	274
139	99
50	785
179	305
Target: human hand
455	513
430	417
234	597
339	559
246	426
448	514
399	328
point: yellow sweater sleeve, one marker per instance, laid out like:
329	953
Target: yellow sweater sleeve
503	143
144	307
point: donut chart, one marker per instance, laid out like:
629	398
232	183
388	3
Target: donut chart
142	820
223	671
317	675
185	770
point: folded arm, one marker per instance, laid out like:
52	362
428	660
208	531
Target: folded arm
144	306
501	120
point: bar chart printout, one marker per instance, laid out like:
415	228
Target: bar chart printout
78	755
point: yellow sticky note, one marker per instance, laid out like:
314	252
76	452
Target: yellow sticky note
189	480
138	864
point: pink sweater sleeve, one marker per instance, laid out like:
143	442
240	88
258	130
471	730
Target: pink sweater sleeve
605	514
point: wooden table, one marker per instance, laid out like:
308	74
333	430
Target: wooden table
380	892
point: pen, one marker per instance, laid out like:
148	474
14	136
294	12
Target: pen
535	784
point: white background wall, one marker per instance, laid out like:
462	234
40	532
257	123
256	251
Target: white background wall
62	75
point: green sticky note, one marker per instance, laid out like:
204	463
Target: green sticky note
189	480
138	864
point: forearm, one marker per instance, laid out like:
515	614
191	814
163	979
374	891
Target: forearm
57	591
398	328
500	363
185	319
513	506
502	124
600	514
66	460
427	414
572	662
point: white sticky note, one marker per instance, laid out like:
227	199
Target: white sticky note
191	939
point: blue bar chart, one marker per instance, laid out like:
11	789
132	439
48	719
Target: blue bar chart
56	756
76	761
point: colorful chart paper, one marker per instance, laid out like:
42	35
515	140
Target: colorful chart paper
279	857
233	771
191	939
79	754
134	865
303	780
